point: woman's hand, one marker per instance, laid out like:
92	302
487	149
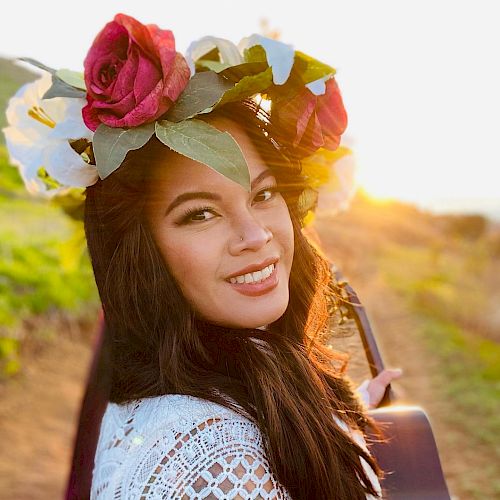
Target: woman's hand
372	391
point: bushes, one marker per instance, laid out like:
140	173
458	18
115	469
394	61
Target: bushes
43	264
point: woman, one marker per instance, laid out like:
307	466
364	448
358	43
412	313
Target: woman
214	299
215	302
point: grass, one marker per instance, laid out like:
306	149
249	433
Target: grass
44	266
444	287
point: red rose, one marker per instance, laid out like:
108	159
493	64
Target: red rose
133	74
309	122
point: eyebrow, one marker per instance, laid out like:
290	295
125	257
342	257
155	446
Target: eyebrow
207	195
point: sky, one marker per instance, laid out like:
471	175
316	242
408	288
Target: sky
420	79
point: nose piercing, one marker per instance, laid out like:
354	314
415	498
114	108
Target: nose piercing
241	238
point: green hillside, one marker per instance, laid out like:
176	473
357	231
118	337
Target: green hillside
35	234
11	78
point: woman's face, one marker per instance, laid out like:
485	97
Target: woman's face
229	250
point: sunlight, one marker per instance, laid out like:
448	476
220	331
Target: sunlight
375	184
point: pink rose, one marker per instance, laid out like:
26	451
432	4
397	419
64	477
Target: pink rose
133	74
309	122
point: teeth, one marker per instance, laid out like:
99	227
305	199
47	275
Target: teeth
255	277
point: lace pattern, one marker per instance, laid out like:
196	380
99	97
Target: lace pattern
181	447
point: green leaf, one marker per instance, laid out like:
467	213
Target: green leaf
202	142
60	88
202	91
50	182
248	86
311	69
73	78
111	145
212	65
254	54
65	83
37	64
280	56
211	55
239	71
305	70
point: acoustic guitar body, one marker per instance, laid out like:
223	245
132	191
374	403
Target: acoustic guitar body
410	457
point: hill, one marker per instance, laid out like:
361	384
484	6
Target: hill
11	78
429	283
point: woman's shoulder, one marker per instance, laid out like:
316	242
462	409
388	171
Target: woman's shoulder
166	441
158	421
164	411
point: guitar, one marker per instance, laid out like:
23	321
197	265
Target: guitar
409	454
409	457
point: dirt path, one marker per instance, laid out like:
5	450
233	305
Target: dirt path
38	415
397	336
39	408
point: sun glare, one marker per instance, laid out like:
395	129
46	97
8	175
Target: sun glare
383	184
376	185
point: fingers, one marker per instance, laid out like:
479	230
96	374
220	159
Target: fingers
385	377
377	386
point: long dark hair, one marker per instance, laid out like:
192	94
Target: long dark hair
291	388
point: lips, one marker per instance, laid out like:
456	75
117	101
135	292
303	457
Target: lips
254	267
260	288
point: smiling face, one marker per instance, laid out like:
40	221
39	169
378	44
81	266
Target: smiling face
229	250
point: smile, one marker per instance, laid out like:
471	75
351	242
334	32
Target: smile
255	277
256	283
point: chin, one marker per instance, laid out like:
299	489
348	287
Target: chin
255	317
238	311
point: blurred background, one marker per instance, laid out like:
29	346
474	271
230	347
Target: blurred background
418	236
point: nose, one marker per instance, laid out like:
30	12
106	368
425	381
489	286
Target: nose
249	233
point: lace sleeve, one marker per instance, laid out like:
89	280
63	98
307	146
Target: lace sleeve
181	447
219	458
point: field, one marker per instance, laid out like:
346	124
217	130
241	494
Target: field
431	286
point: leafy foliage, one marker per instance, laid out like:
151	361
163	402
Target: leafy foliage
43	263
202	92
202	142
111	145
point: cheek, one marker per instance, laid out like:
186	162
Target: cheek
193	263
283	233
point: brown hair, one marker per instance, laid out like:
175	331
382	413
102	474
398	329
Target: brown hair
157	346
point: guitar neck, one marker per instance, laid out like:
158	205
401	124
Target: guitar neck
358	314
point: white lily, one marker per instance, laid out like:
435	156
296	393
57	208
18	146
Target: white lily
228	51
38	135
339	200
279	55
332	174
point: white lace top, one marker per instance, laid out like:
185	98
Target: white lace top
182	447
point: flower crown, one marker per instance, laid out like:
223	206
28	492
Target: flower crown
68	129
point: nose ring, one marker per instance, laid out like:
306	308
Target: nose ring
241	238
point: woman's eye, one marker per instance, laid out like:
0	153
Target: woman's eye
265	194
197	215
202	215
